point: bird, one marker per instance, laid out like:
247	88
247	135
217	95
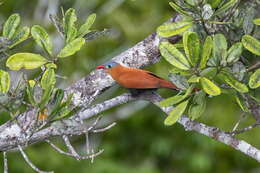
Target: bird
135	79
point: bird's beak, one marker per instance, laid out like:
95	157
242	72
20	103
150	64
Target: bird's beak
100	67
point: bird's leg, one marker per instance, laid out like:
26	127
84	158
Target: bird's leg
135	92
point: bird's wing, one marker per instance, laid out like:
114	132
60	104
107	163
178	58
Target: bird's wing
139	79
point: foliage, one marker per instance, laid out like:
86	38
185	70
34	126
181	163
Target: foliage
41	92
211	67
148	145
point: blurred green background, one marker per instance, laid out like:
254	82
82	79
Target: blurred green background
139	142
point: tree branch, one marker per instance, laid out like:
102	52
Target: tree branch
87	89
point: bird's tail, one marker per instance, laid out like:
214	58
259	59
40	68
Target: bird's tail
168	84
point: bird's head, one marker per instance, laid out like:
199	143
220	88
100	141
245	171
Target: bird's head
107	66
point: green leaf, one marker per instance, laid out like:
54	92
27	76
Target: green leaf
69	25
171	29
31	83
41	37
214	3
29	92
241	103
4	81
176	113
72	47
11	25
85	28
177	98
207	12
59	95
25	60
209	87
254	81
51	65
206	52
225	7
231	81
178	9
179	80
22	35
48	78
194	79
46	97
251	44
234	53
239	70
219	50
191	43
256	21
198	106
209	72
174	56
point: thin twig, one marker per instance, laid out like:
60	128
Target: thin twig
242	117
94	124
5	163
235	132
253	67
58	149
71	155
105	128
70	147
30	163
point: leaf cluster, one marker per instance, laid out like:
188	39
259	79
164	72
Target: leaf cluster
206	65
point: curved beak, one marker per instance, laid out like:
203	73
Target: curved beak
100	67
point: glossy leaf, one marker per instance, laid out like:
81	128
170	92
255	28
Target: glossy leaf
219	50
241	103
256	21
254	81
85	28
22	35
225	7
29	92
198	106
71	47
174	56
69	25
234	53
31	83
41	37
231	81
51	65
4	81
209	87
206	51
179	80
239	70
176	113
177	98
48	78
194	79
171	29
178	9
214	3
191	43
11	25
25	60
46	97
207	12
209	72
57	106
251	44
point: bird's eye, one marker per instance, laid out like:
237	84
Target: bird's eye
109	66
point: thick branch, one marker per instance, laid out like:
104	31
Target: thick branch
84	92
87	89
